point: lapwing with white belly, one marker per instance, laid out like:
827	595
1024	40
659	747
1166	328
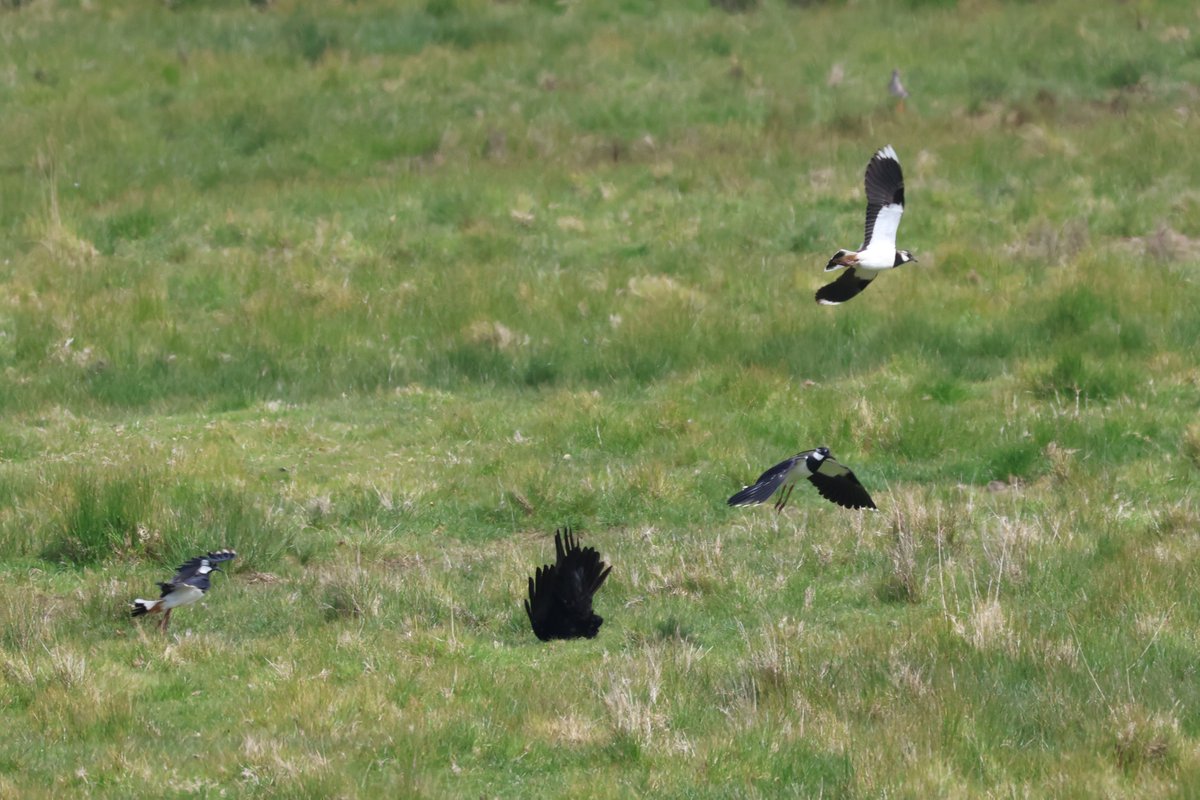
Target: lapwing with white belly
834	482
190	583
885	206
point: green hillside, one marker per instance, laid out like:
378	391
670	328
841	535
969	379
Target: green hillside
380	294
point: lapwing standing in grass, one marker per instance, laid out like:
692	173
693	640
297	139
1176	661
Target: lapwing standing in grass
885	206
189	585
833	481
560	594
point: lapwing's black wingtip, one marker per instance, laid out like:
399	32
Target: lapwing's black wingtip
752	495
886	152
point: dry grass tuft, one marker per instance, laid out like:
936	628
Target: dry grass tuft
905	677
1191	444
494	334
1143	739
917	521
1166	246
632	700
663	289
68	668
903	584
572	729
1046	243
987	629
63	245
349	591
19	672
1178	519
27	618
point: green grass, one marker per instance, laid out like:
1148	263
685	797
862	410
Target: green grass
380	294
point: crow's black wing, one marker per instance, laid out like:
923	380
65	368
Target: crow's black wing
583	573
540	605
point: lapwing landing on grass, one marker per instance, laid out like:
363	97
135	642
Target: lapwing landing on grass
885	206
189	585
833	481
560	594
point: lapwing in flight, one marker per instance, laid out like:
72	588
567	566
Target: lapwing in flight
885	206
189	585
834	482
560	594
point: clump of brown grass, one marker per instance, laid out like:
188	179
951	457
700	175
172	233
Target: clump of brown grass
1166	246
1143	739
987	628
27	619
63	244
1047	243
917	521
1191	444
351	592
632	700
902	584
494	334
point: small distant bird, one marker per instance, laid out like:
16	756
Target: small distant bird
833	481
560	594
189	585
895	87
885	206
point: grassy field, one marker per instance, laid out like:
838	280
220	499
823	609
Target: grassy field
379	294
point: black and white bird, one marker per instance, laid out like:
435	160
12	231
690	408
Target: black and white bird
834	482
885	206
560	594
189	585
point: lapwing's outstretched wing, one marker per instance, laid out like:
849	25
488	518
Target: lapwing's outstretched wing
849	284
885	199
768	483
839	485
196	571
833	481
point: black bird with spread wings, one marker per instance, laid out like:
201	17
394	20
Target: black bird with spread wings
834	482
885	205
190	583
560	594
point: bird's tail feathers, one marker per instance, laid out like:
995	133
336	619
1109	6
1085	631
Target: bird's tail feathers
141	606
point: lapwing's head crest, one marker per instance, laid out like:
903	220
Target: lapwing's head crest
822	453
903	257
